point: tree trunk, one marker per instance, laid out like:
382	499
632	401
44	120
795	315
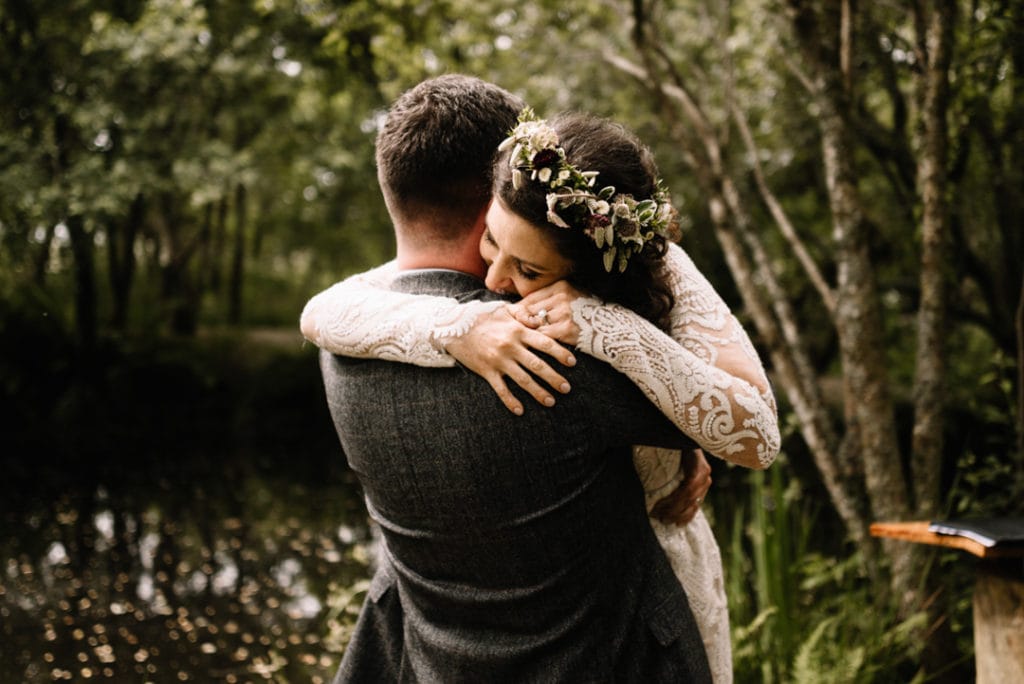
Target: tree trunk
258	227
121	257
85	284
42	259
81	248
930	368
192	293
1015	168
1020	377
178	288
858	317
215	273
177	279
859	326
237	258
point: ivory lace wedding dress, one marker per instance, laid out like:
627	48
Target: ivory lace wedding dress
680	374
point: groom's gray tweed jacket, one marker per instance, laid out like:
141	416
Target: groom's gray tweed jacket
516	549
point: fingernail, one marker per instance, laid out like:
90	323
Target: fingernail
518	410
565	387
571	360
549	401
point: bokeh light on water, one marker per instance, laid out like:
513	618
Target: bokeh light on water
261	585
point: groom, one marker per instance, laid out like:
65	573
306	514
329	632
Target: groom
515	548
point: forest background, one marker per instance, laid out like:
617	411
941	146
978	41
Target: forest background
177	177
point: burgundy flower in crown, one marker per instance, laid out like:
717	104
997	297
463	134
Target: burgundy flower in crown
595	222
618	224
545	158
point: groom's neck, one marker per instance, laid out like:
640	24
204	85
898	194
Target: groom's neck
458	255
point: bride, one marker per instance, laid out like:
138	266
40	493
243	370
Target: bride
580	228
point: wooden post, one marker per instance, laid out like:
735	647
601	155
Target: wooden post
999	621
998	599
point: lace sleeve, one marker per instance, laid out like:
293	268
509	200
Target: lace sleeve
726	415
360	317
702	323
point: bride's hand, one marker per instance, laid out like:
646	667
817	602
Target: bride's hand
681	506
497	345
549	310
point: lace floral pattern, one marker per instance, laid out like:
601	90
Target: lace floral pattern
723	414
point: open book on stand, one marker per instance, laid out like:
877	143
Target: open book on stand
989	532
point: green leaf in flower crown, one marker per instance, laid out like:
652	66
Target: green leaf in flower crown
609	258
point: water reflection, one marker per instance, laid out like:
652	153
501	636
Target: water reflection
258	585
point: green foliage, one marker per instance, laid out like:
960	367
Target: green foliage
988	476
766	542
847	648
150	129
803	615
343	606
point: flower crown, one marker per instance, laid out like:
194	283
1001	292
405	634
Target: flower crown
617	223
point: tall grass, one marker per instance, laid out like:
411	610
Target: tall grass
801	606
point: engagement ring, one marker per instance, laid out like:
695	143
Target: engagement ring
543	316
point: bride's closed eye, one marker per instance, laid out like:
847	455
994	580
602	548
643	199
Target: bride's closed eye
525	271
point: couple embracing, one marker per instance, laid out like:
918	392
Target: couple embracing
535	543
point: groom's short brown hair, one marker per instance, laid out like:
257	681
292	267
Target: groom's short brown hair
435	149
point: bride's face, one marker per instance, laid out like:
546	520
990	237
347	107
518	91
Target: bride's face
520	258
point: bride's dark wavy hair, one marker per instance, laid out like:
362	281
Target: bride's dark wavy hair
621	160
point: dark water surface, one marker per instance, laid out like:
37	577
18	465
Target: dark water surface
199	591
207	533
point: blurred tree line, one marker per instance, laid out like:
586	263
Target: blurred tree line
160	157
851	173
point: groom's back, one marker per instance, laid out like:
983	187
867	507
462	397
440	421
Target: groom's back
519	544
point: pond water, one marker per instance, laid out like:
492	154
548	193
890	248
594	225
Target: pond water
250	576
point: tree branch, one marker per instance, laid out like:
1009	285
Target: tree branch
780	216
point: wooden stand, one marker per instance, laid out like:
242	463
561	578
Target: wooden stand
998	599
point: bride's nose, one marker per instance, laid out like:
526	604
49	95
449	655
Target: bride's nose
497	279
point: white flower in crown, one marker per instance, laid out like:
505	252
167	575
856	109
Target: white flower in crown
541	135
